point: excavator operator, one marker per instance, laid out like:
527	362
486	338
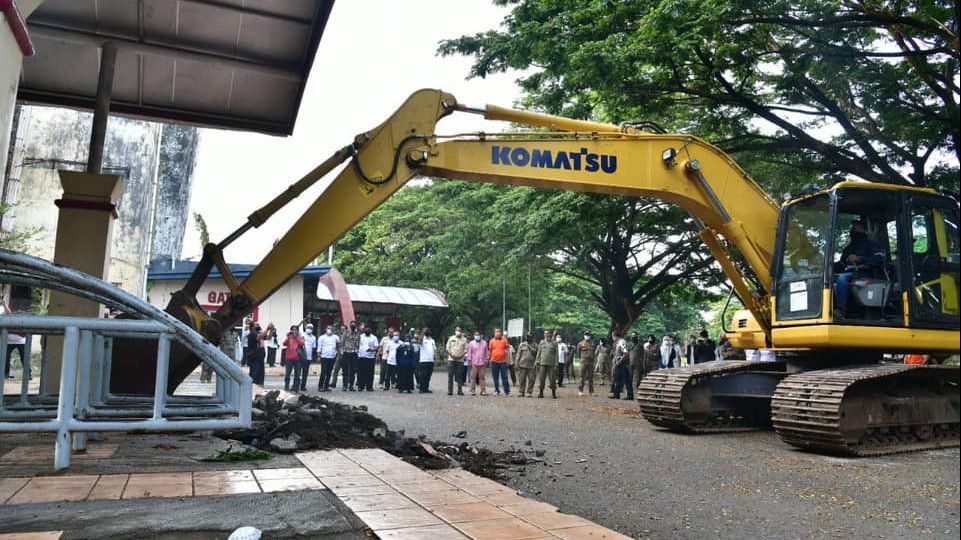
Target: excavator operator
858	257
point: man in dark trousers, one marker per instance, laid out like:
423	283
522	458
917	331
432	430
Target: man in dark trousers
622	368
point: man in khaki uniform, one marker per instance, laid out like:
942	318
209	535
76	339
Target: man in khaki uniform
456	371
603	361
525	361
636	356
547	364
586	351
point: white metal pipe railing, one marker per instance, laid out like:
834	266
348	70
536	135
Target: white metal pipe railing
84	403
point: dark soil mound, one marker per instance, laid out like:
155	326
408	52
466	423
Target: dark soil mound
313	423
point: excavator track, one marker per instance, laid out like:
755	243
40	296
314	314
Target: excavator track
680	399
869	410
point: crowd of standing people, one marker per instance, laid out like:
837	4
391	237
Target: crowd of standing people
406	359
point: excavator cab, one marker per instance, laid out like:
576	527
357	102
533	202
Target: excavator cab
860	254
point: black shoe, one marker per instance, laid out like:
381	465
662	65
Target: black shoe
540	395
350	388
554	394
428	391
629	398
612	396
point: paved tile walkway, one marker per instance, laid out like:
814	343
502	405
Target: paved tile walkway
396	500
400	502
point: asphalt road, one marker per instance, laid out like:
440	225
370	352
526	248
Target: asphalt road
607	464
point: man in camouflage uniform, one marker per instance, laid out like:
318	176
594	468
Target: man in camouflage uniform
350	344
603	361
636	359
525	361
586	351
547	364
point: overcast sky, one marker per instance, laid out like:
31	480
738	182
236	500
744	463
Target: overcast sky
373	54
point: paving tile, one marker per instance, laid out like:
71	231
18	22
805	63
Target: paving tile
109	487
555	520
429	484
589	532
282	474
476	511
290	484
485	489
226	488
362	490
528	507
385	501
504	499
398	518
433	532
350	481
36	454
500	529
46	535
441	498
213	477
142	485
55	488
453	474
9	486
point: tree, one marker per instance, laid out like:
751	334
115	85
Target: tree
862	88
629	250
201	226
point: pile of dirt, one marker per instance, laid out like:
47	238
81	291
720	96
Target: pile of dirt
313	423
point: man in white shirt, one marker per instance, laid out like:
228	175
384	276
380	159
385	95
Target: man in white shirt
366	358
428	348
392	347
561	359
383	350
327	346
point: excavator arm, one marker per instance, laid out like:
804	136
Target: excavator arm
733	212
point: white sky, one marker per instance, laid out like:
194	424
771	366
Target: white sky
373	54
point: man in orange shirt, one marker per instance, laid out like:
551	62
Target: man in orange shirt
498	348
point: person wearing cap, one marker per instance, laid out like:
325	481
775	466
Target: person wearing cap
526	362
603	361
586	351
547	364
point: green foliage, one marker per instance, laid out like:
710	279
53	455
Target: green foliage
201	226
15	240
863	89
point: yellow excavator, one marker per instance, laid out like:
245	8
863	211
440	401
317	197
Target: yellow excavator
832	280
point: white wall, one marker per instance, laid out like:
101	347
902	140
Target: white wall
284	308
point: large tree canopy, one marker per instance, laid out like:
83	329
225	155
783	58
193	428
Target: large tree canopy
865	89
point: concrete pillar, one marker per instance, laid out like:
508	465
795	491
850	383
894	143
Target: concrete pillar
84	235
11	59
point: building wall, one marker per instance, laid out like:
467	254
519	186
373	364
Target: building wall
283	308
154	160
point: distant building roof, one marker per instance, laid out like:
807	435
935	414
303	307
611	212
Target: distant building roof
217	63
167	270
375	294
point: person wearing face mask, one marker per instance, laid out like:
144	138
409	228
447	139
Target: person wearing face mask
350	343
477	359
587	351
327	346
562	358
704	348
428	349
392	347
669	354
499	353
525	361
547	364
622	368
366	358
456	353
649	355
406	356
862	254
636	362
603	360
383	353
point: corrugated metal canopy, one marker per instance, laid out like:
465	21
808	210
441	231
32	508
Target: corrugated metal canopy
401	296
235	64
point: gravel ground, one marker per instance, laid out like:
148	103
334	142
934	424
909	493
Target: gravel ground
607	464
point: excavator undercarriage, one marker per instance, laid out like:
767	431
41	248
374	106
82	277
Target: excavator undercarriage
862	410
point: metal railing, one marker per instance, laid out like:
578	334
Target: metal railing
84	403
